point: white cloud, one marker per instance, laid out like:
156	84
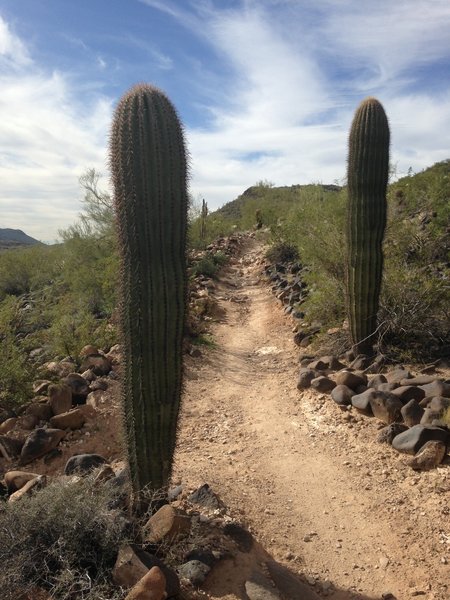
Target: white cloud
13	52
49	137
283	115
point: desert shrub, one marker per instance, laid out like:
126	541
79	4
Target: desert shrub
15	371
23	270
72	328
209	264
65	539
282	252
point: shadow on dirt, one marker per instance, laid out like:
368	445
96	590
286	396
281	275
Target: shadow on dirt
256	575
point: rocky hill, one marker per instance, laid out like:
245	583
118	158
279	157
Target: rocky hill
13	238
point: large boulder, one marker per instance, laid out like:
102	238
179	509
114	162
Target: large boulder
342	395
83	463
385	406
429	456
152	586
98	363
79	386
412	440
412	413
60	398
351	379
73	419
40	442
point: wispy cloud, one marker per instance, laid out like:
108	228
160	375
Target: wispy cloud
295	72
13	52
51	137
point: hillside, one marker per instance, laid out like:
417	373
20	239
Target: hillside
236	208
13	238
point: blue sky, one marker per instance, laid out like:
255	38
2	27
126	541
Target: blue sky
266	90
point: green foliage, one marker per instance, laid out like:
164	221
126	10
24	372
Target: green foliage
64	539
23	270
15	371
209	264
282	252
367	175
149	172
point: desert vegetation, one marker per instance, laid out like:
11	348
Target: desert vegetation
122	273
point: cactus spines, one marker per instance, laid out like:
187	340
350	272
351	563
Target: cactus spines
149	174
368	170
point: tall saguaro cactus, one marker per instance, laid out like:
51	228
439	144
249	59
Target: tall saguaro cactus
149	173
368	169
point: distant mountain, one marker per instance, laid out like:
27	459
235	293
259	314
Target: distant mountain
14	238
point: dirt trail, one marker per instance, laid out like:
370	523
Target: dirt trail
311	483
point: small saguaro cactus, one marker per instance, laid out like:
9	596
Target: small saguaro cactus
368	170
149	174
203	217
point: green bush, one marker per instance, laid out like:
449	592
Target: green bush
64	539
15	371
282	252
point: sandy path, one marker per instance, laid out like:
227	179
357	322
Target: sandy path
316	490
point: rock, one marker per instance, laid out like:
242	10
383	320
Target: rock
10	447
398	375
387	387
435	410
195	571
241	536
60	398
329	363
305	377
152	586
288	584
99	364
167	523
376	381
74	419
83	463
115	354
411	440
429	456
79	386
8	425
342	395
99	384
31	486
361	362
88	350
204	496
204	556
60	369
409	392
362	401
132	564
40	386
259	587
27	422
90	377
387	434
97	398
40	408
412	413
385	406
419	380
15	480
39	442
350	379
323	384
436	388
